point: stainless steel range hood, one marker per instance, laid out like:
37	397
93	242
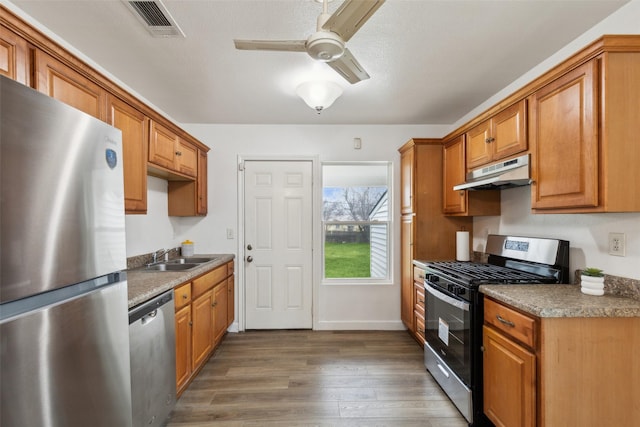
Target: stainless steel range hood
506	174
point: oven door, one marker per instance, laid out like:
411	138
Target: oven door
448	330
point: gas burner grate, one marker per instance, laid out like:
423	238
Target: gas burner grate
477	273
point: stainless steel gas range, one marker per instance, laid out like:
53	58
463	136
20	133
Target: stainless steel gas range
454	309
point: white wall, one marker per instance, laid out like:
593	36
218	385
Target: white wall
587	233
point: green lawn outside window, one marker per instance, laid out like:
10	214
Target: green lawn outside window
347	260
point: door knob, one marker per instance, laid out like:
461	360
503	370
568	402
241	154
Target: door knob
249	258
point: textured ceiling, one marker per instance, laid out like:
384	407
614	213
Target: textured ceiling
430	62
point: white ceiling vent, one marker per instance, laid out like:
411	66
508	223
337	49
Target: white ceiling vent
155	17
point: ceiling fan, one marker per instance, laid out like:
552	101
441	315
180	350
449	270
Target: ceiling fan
327	44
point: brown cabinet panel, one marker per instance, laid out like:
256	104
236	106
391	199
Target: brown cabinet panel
202	185
406	255
501	136
162	146
186	158
183	347
231	307
67	85
202	332
463	202
220	295
135	135
407	180
13	56
509	381
454	201
564	135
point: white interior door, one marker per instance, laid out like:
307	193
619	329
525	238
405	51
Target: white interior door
278	244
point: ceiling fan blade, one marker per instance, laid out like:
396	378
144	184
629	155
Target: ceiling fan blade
277	45
349	68
350	16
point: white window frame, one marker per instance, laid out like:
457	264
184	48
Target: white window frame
388	280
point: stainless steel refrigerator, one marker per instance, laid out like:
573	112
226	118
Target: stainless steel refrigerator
64	340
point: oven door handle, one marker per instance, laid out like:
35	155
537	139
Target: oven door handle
446	298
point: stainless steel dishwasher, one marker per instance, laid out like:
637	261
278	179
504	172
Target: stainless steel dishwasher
153	360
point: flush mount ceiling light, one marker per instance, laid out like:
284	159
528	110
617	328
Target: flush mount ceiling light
319	95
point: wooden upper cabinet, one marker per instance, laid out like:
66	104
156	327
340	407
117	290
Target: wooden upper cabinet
406	180
169	151
202	185
499	137
584	138
135	135
454	174
564	139
186	158
162	146
67	85
13	56
463	202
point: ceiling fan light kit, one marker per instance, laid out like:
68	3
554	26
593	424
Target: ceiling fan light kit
327	43
319	95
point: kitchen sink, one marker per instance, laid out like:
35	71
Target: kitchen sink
191	260
170	267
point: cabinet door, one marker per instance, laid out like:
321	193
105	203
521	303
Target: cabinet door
509	381
13	56
479	145
454	201
406	180
135	137
64	84
509	131
406	290
201	183
162	146
231	307
564	141
220	294
183	347
202	318
186	158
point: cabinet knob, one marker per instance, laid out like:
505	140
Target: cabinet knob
184	296
178	153
190	323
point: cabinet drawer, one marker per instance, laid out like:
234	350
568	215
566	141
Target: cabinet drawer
182	295
207	281
418	274
509	321
418	299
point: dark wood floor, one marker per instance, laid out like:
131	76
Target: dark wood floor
315	378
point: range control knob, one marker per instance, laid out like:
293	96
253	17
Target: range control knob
433	278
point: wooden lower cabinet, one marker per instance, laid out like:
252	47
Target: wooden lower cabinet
509	381
418	304
560	371
201	320
183	346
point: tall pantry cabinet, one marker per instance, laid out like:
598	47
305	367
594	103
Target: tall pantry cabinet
426	233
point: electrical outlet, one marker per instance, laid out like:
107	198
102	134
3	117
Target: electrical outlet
617	244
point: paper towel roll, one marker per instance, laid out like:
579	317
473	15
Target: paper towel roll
462	245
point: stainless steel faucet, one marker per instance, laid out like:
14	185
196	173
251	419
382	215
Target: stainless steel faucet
159	253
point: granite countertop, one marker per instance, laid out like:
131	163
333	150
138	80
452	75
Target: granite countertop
562	301
145	284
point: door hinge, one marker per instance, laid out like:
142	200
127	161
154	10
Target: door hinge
241	166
